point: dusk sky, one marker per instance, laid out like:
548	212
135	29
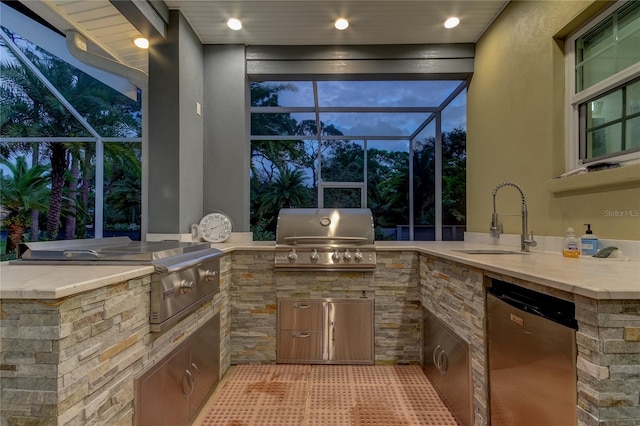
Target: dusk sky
378	94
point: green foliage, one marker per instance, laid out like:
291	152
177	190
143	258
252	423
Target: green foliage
22	192
260	231
29	109
284	172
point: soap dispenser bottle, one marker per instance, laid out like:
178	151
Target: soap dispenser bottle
588	242
570	245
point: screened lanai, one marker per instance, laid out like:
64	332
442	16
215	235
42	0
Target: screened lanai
396	145
376	144
71	125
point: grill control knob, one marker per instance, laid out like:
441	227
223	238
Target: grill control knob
210	275
347	256
292	256
314	257
335	256
185	286
358	256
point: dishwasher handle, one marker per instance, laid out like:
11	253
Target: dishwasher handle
543	305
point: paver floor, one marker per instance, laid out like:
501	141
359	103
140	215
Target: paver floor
314	395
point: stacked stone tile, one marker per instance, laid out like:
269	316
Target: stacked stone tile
256	288
73	361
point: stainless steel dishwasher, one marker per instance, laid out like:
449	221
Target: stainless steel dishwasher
532	357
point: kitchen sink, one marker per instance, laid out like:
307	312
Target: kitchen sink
490	251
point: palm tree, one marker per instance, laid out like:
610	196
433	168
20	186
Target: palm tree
287	190
29	109
25	190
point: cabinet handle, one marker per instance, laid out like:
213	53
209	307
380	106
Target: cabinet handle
440	359
433	357
443	359
190	381
301	335
304	306
195	367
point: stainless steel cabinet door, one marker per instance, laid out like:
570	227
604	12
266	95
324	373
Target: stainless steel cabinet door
299	346
205	363
164	389
350	331
447	365
301	315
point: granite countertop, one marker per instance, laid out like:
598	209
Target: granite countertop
58	281
593	278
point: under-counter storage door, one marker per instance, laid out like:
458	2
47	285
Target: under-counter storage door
163	390
303	315
350	331
532	368
300	331
205	363
300	346
447	365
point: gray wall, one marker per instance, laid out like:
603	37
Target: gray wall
202	164
226	133
176	132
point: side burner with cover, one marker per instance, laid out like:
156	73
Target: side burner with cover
325	240
186	274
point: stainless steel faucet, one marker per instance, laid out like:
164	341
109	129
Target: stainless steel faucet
526	241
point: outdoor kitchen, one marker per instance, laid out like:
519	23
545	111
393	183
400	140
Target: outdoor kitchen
313	202
87	327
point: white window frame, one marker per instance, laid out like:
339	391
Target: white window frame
574	100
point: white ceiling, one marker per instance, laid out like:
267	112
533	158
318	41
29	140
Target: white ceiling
310	22
289	22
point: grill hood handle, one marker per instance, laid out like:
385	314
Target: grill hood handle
185	261
323	239
71	254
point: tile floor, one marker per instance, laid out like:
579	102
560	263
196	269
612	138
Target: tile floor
310	395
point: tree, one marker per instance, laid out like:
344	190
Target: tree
25	190
29	109
122	192
342	160
286	191
454	177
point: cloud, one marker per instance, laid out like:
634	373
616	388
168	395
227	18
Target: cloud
368	94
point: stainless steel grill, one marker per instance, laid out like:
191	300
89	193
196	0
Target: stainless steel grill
325	240
186	274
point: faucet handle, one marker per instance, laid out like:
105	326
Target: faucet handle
530	242
496	227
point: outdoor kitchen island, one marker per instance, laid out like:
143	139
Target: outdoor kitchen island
73	341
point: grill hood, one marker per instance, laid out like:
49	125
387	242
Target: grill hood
325	227
325	240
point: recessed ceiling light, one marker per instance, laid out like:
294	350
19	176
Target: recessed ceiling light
341	24
451	22
234	24
141	42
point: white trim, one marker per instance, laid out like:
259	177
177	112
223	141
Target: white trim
573	99
620	78
342	185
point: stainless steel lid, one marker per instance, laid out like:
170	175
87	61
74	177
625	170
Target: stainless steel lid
106	250
332	227
325	240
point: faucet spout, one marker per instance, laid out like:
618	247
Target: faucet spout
526	241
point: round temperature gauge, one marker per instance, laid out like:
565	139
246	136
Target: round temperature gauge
215	227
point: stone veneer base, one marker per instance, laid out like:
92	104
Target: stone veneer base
73	361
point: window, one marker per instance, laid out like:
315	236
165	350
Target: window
603	65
